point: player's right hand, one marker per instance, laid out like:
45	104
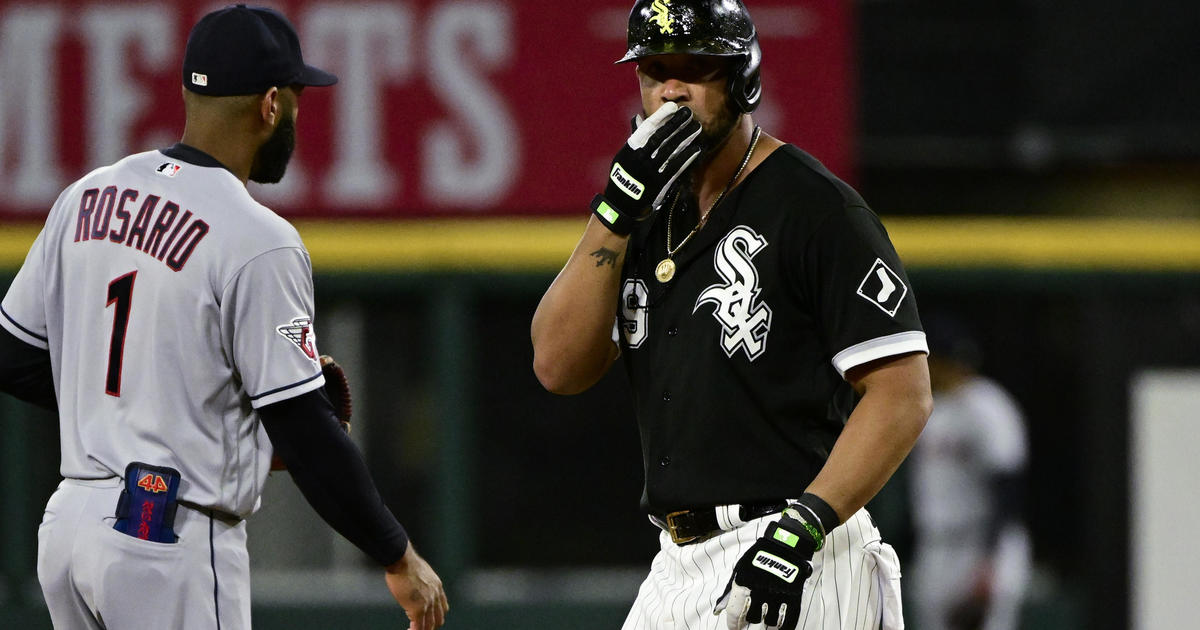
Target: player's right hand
418	590
660	150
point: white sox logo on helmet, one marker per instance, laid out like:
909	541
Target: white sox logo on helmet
745	321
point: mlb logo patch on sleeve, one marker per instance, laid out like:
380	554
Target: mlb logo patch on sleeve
883	288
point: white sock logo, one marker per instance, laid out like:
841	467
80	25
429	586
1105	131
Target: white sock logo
888	286
883	288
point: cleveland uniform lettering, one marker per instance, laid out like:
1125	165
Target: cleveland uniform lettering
769	333
99	221
168	318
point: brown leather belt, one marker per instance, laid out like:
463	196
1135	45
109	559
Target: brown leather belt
690	526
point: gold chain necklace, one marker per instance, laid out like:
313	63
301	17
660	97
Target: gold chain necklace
665	270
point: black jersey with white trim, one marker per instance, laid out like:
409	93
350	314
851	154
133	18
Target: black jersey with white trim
737	363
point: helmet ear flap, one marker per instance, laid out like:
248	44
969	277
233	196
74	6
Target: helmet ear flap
745	86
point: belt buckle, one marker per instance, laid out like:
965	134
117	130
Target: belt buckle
671	529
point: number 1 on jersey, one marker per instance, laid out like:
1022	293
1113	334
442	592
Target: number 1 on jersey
120	292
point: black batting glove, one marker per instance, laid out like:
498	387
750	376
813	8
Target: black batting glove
660	150
768	581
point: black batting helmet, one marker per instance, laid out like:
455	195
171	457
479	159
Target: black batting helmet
721	28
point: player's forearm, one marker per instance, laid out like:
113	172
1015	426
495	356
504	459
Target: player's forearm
330	473
878	435
25	372
572	326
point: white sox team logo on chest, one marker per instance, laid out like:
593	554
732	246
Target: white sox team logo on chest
745	321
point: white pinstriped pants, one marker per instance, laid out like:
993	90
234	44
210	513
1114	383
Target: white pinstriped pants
855	583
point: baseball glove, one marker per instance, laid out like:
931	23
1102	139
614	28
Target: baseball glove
337	388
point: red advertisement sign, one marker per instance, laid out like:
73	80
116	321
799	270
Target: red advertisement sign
444	107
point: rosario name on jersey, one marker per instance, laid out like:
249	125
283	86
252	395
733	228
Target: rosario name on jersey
172	305
741	356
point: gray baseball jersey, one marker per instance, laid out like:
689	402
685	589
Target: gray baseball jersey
172	305
974	432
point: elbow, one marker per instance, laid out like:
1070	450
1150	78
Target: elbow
554	377
571	366
920	407
924	407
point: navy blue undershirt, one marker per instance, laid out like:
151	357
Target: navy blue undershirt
25	372
332	475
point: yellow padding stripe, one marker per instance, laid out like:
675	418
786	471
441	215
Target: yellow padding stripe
14	243
543	245
442	244
1049	243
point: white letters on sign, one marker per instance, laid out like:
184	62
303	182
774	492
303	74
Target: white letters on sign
465	148
29	121
460	32
117	40
367	46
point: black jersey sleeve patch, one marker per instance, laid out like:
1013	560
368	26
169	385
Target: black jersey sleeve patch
883	288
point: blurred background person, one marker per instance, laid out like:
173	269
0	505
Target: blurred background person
972	549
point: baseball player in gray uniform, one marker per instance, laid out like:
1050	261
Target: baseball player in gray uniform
168	318
973	552
769	334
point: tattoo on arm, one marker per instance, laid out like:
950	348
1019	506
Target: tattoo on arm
605	256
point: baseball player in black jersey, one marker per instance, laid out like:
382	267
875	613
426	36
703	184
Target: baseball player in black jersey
770	335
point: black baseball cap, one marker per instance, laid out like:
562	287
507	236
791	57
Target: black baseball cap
246	50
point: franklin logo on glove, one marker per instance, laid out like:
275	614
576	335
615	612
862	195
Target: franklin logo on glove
778	566
632	186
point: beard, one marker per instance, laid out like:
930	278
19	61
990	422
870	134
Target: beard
270	163
714	135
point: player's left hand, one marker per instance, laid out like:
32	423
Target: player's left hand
768	581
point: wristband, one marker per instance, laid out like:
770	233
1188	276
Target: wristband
613	219
815	515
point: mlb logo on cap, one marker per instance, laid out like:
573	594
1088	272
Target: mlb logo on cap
199	79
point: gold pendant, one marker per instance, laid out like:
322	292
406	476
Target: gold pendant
665	270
